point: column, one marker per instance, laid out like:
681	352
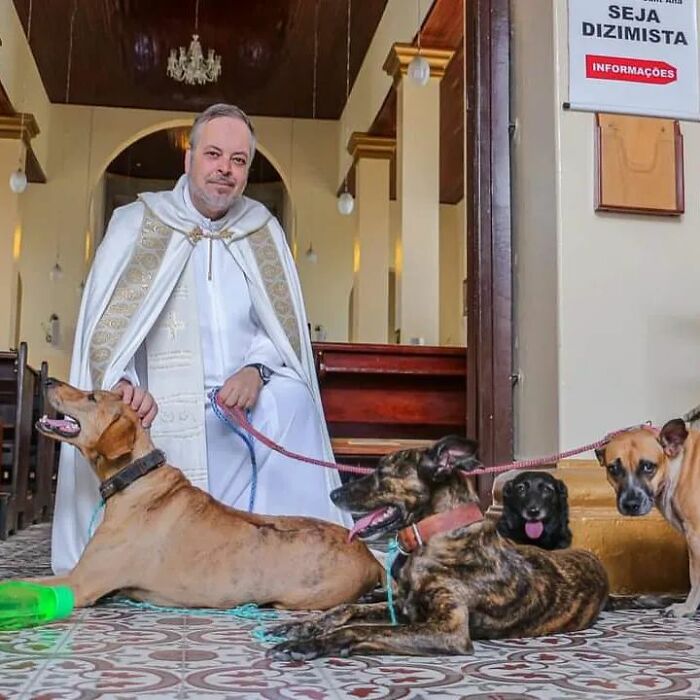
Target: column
418	191
372	160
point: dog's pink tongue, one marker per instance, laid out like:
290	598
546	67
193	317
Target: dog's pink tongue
365	521
534	529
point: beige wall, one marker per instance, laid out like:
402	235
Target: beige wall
608	310
20	78
453	261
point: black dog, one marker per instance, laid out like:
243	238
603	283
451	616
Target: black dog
536	511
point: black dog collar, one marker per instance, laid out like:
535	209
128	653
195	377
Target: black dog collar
131	473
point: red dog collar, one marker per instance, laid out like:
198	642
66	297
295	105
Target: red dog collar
418	534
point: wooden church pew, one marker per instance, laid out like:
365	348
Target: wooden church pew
381	398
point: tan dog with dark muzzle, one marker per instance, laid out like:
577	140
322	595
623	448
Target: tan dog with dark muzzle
647	469
170	543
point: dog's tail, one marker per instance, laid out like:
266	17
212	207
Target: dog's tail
641	602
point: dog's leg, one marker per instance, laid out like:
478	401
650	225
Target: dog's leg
322	623
86	591
103	568
424	639
688	608
447	632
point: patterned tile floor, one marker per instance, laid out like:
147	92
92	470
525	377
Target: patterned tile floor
117	651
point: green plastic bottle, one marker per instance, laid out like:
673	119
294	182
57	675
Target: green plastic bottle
25	604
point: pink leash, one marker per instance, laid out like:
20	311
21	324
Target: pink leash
553	459
237	415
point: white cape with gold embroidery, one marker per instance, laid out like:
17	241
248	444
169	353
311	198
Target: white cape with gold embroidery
107	342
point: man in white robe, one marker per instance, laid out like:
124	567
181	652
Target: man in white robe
193	289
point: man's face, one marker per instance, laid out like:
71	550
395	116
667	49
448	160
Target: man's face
217	167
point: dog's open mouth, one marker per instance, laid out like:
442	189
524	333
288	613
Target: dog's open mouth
534	529
376	522
66	427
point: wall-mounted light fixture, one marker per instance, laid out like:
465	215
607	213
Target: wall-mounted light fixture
52	330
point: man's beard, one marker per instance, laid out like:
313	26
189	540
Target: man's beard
219	203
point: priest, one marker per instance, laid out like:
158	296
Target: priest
193	289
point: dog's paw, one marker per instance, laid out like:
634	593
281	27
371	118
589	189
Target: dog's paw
299	629
678	610
294	630
300	650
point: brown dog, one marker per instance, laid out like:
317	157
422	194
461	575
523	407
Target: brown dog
647	469
167	542
467	582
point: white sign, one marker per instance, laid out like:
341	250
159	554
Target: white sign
635	57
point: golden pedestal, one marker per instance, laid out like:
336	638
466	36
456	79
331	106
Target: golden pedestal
641	555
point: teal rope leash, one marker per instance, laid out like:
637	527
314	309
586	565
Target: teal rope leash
391	554
249	611
93	520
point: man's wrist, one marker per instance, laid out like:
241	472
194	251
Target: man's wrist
264	372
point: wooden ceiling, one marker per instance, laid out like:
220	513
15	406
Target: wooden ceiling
120	50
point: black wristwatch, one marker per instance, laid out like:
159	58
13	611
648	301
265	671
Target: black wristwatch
263	370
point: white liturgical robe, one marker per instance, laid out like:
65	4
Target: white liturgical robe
177	304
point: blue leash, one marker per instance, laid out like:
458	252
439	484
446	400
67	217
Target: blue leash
248	439
392	552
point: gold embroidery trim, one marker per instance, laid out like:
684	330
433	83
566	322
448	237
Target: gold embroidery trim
275	280
130	292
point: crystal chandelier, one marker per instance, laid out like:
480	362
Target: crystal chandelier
189	65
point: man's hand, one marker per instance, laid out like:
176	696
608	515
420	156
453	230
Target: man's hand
242	389
139	399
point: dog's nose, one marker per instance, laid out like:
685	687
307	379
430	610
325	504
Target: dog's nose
532	511
334	495
631	505
49	382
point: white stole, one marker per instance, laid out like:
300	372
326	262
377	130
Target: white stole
176	377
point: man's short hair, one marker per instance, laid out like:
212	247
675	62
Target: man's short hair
222	110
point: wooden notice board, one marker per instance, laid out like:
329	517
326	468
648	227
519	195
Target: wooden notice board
639	165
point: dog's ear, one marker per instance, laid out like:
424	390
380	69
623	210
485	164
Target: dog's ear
117	439
673	436
600	454
446	455
508	489
561	488
563	498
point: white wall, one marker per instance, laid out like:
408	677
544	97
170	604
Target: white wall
625	345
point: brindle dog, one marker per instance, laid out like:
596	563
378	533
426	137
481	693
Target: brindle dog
469	583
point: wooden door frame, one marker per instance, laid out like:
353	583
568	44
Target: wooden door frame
489	244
